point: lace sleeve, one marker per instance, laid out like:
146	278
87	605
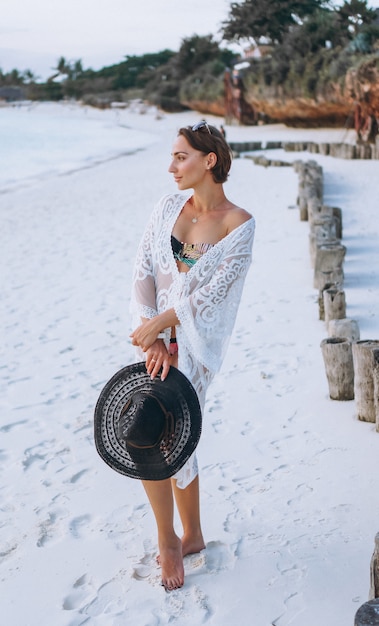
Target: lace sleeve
143	297
208	311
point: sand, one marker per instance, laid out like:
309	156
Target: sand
289	478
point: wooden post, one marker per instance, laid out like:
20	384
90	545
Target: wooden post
322	230
324	148
321	308
334	304
314	204
336	213
375	354
338	360
344	328
310	187
363	360
324	226
374	571
368	614
328	264
300	167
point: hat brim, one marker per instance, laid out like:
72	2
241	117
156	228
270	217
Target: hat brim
178	396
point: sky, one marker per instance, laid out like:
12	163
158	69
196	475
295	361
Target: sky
35	33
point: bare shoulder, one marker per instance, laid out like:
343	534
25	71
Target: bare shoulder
236	217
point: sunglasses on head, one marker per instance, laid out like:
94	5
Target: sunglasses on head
200	126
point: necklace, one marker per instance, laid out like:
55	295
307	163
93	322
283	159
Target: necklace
195	219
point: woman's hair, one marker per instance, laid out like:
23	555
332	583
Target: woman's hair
206	139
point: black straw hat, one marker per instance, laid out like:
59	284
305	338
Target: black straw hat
145	428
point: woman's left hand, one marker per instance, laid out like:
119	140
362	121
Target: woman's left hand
145	334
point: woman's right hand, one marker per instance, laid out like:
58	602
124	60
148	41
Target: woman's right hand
157	358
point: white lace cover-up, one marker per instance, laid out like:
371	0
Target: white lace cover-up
205	299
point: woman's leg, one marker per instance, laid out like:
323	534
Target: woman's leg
188	503
170	547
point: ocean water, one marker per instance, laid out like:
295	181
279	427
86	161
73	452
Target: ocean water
41	140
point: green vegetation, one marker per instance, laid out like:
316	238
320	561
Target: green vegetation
310	43
306	45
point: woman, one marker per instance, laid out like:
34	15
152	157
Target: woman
185	297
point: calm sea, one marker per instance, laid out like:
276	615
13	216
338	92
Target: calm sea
41	140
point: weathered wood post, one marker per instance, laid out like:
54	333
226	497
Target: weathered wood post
375	354
322	231
334	304
329	260
324	148
310	188
336	214
344	328
321	308
338	360
363	360
300	167
374	571
368	614
314	205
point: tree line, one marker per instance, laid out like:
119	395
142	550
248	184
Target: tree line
305	42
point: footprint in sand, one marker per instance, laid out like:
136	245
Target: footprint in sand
110	600
7	549
294	606
8	427
46	452
81	590
147	568
46	529
76	477
248	428
186	601
218	557
78	524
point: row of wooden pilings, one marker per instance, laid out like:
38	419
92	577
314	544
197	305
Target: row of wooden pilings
351	364
340	150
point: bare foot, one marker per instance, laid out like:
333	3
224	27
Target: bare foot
171	560
190	545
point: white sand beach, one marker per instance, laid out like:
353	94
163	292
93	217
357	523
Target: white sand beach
289	478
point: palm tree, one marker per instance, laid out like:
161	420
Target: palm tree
29	77
62	69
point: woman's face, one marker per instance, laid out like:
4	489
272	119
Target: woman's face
189	166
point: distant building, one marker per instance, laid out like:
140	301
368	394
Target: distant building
12	94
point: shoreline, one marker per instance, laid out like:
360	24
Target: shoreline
148	123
